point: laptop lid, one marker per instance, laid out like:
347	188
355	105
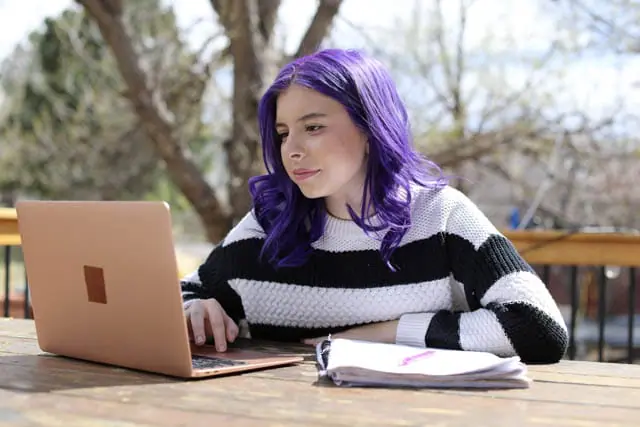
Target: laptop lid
104	283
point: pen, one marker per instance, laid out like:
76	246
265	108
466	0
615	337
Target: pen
410	359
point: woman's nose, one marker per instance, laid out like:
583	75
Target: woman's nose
295	150
296	155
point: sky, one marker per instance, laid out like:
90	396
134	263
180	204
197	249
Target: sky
591	84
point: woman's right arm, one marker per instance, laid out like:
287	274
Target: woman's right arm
210	280
212	307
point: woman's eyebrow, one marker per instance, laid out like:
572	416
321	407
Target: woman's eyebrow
307	116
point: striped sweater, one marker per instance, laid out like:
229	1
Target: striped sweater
459	284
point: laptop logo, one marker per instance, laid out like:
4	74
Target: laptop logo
96	288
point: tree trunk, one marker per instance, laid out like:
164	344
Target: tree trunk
182	170
249	27
248	48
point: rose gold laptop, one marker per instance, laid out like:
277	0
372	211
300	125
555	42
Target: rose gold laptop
105	288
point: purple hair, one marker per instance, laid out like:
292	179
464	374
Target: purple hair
366	90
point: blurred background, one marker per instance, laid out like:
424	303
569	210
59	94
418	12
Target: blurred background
533	104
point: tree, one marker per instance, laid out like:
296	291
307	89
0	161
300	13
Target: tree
511	140
606	35
464	104
248	26
68	131
608	26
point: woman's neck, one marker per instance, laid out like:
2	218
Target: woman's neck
351	194
341	212
338	207
339	221
346	228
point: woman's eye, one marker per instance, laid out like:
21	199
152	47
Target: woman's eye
282	136
313	128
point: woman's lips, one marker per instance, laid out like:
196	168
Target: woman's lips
303	174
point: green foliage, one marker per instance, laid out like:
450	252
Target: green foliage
68	132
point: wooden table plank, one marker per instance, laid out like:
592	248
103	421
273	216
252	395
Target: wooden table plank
598	369
587	380
35	387
260	403
50	410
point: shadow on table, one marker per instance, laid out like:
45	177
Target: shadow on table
44	373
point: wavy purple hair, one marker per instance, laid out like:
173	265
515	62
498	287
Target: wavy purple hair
366	90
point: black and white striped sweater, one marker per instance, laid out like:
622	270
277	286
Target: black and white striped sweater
459	284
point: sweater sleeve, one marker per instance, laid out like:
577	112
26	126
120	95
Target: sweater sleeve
211	278
209	281
511	312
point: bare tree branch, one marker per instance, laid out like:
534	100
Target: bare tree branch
492	109
267	16
223	8
472	148
443	52
268	12
456	88
180	167
248	49
614	22
249	25
319	27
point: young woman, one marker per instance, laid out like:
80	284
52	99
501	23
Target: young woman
351	235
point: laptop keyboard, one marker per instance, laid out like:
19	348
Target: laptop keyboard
206	362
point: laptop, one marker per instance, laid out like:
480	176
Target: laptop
105	288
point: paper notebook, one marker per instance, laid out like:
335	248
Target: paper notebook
361	363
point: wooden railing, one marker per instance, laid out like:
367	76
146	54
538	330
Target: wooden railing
9	235
14	305
600	311
595	276
577	248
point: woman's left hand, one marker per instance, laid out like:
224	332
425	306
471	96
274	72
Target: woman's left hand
384	332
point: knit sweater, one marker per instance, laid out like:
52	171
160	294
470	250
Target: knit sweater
459	284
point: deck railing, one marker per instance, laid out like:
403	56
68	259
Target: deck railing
593	277
594	274
13	304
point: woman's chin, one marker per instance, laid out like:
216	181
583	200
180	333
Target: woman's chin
312	193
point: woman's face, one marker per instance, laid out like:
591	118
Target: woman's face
323	151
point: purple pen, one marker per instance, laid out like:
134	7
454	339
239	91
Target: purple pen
410	359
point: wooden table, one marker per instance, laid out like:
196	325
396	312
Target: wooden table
44	390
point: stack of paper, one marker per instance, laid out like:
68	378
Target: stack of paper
361	363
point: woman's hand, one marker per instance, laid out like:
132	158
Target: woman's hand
207	318
383	332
